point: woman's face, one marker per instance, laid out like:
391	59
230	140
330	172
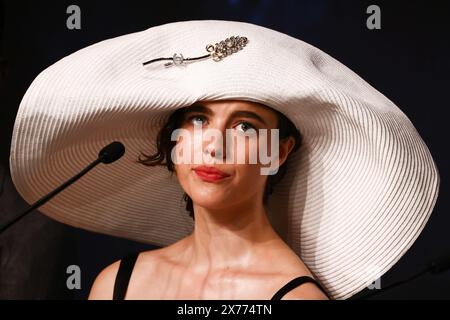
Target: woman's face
238	179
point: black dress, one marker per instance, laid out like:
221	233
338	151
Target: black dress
127	265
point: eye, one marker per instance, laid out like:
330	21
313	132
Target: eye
195	119
245	126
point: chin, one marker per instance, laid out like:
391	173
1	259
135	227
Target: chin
209	202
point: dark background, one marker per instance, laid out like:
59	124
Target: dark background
407	60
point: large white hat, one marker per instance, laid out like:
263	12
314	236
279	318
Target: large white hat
359	190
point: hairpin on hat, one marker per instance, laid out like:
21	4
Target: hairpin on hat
217	52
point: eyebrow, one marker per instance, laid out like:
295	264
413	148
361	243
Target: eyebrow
238	113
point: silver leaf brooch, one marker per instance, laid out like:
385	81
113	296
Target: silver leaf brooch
217	52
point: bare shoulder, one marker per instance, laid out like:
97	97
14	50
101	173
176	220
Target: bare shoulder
103	286
294	266
305	291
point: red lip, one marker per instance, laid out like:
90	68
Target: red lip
210	173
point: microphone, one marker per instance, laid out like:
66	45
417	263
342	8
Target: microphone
112	152
108	154
436	266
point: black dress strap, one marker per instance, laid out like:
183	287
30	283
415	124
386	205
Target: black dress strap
123	275
294	283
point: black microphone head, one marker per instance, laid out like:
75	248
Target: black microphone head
112	152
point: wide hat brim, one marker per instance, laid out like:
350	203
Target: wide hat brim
357	194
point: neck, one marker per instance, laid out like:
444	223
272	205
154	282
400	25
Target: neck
230	238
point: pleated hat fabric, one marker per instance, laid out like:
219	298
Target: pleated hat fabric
357	194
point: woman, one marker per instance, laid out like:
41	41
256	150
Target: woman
231	251
357	191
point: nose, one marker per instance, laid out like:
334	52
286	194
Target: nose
215	150
216	146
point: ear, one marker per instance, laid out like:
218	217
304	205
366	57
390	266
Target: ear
286	146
